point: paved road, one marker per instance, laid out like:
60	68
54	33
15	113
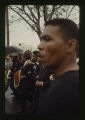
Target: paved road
10	107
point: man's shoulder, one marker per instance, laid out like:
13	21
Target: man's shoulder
70	76
62	91
66	83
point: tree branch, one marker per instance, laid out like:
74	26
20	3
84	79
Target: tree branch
71	11
24	19
38	23
50	16
27	15
45	13
53	10
31	13
15	20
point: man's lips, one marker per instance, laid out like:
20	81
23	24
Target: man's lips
40	56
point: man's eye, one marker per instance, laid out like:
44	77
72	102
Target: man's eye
47	39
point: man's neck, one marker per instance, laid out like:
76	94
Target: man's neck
66	66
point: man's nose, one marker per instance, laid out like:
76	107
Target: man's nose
41	45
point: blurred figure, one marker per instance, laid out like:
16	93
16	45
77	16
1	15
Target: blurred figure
11	95
41	78
36	70
35	56
25	89
15	69
36	67
44	79
8	62
30	54
8	67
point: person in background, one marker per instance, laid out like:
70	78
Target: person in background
36	70
8	62
30	54
58	52
16	67
42	79
25	89
36	67
8	67
43	82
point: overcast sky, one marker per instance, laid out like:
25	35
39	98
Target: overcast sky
23	35
20	32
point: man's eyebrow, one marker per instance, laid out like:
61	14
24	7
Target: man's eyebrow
44	36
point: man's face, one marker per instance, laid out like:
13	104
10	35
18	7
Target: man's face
52	47
8	58
30	54
34	58
23	60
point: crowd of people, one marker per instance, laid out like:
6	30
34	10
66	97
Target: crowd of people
47	81
25	76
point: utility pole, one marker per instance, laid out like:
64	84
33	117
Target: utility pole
7	25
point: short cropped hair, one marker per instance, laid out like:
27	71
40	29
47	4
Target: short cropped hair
28	51
26	56
68	28
36	53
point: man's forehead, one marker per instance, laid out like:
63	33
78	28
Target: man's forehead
50	29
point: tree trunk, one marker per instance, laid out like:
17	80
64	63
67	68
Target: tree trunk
7	25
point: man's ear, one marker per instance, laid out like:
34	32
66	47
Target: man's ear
71	45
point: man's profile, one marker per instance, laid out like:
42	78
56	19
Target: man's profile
58	51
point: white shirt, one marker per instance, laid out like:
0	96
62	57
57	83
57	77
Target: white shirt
77	60
27	61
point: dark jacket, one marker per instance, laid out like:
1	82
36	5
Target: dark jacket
62	97
44	76
26	84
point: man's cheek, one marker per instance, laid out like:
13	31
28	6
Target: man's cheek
51	51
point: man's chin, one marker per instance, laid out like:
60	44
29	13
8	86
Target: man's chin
45	64
42	62
40	59
48	65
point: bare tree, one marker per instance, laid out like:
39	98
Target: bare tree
37	15
7	25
